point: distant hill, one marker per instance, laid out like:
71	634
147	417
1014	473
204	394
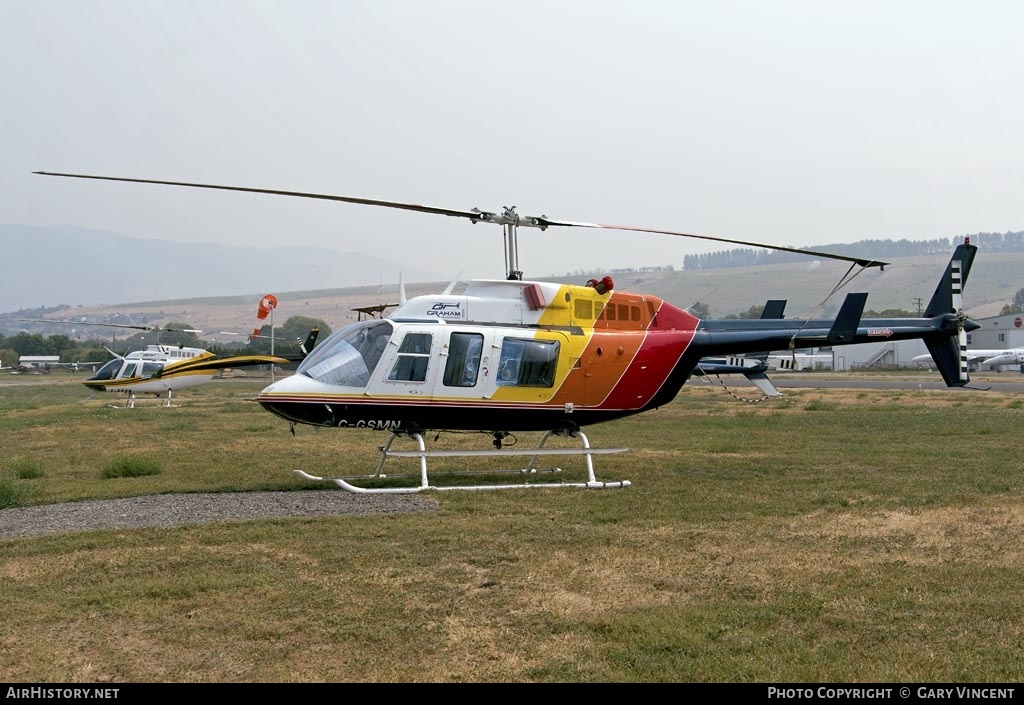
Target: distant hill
906	284
48	266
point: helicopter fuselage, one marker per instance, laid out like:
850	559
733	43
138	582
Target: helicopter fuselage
532	356
503	356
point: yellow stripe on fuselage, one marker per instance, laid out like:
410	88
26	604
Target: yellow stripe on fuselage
562	312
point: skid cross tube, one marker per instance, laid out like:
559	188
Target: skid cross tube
424	483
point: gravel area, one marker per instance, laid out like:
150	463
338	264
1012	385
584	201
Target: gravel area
169	510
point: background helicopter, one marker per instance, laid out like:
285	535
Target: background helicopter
161	369
510	355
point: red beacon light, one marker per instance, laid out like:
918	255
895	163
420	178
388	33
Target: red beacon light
604	285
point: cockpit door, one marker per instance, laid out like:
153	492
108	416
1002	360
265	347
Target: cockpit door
409	365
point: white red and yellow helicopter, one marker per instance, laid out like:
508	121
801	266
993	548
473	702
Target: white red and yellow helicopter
511	355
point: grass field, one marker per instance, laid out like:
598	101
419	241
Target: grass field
832	536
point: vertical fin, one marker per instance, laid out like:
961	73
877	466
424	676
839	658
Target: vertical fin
845	326
950	351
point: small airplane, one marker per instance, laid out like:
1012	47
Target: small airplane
512	355
20	369
304	345
798	361
990	358
373	310
161	369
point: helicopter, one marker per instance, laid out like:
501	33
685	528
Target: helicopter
161	369
513	355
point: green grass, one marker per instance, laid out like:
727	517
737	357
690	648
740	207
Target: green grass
831	536
27	468
11	494
127	466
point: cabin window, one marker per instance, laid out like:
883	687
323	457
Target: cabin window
463	366
584	309
130	370
348	356
150	369
527	363
413	357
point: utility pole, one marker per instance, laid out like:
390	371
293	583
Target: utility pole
917	300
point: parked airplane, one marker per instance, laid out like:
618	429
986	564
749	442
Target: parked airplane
989	358
796	361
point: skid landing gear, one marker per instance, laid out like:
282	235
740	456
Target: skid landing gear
129	403
422	454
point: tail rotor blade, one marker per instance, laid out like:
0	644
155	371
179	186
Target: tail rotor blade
956	282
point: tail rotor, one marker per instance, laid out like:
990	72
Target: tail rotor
957	297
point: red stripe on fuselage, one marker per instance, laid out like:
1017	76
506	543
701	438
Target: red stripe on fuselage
668	336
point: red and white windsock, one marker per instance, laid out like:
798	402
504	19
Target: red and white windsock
267	304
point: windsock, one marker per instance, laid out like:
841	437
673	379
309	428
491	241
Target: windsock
267	304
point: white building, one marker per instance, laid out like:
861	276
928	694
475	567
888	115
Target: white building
998	332
39	362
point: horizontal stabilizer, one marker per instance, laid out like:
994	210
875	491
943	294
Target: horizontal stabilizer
761	381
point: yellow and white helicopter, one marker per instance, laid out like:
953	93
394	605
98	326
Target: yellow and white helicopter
512	355
162	369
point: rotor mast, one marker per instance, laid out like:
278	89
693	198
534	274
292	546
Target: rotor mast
510	222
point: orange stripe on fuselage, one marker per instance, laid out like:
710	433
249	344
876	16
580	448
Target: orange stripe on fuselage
636	342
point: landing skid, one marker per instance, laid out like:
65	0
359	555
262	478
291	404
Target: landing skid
422	454
129	403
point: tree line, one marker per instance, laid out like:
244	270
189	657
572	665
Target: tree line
747	257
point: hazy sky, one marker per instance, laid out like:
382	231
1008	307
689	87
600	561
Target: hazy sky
794	123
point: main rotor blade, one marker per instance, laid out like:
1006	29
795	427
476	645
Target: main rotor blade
476	215
572	224
471	214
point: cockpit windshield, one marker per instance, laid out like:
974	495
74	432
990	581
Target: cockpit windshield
348	357
109	370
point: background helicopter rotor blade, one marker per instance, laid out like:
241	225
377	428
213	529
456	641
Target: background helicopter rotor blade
507	217
110	325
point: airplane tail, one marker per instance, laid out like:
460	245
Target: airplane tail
950	351
310	343
306	347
